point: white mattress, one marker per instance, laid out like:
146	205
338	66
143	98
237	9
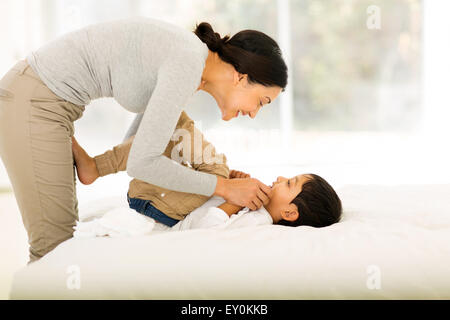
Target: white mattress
393	243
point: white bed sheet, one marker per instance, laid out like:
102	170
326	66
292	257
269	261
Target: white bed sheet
399	235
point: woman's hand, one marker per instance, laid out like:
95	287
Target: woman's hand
248	192
234	174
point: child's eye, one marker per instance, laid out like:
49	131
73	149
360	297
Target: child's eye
289	183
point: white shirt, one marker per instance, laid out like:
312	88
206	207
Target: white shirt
209	216
126	222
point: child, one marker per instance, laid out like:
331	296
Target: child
305	199
302	200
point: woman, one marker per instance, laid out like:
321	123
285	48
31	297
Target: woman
151	68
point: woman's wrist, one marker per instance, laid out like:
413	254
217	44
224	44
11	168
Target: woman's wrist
220	187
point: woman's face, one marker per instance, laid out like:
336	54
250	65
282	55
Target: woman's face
242	98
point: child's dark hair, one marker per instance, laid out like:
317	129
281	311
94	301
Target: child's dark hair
318	204
250	52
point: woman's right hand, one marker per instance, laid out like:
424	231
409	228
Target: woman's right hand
248	192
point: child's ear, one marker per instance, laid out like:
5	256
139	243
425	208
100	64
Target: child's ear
291	214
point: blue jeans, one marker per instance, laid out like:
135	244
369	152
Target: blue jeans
146	208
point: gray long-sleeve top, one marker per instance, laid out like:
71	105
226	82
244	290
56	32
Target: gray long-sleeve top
149	67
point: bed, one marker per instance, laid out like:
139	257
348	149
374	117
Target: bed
393	242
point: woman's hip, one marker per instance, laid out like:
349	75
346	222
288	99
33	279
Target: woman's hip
22	92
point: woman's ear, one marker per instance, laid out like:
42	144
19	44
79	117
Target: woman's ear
240	78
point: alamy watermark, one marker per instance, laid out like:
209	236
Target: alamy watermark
73	281
373	281
373	21
191	148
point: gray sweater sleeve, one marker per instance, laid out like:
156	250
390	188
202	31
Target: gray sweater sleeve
177	81
133	127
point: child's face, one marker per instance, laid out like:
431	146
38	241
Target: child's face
285	190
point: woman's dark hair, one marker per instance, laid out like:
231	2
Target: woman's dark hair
250	52
318	204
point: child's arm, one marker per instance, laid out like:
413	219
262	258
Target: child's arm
229	208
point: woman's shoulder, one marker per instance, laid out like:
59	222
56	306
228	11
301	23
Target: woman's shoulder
168	30
178	44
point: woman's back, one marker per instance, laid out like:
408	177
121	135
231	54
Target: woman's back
117	59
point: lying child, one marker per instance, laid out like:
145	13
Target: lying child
305	199
302	200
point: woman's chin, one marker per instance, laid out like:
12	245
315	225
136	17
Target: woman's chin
227	117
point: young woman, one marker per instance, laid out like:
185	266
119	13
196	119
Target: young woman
151	68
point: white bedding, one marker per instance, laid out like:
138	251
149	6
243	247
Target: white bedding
393	243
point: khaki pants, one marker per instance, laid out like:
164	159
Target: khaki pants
36	149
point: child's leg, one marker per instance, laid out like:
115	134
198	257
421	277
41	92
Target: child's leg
86	168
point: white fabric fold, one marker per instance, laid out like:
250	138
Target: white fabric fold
123	221
119	222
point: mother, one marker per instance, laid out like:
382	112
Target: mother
151	68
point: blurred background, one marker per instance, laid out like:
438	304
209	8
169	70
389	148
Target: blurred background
366	103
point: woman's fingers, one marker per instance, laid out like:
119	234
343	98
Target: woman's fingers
258	203
248	192
263	197
259	198
267	190
251	206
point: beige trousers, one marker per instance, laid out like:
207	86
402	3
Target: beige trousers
36	149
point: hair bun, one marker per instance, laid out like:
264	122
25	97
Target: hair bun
212	39
223	41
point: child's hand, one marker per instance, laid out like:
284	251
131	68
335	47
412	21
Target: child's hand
234	174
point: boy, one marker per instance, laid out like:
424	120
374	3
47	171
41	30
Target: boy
302	200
